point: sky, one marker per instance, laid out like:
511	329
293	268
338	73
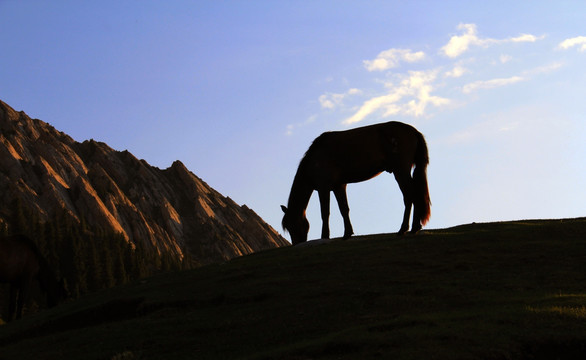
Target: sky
238	90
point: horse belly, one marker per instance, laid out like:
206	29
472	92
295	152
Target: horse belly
349	157
347	176
364	165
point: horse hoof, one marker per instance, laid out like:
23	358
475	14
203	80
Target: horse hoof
402	231
415	231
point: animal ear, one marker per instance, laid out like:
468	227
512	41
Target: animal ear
284	208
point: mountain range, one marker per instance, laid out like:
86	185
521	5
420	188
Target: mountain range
45	173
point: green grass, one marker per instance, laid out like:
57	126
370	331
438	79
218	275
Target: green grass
512	290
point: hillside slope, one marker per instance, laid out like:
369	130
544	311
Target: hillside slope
513	290
45	174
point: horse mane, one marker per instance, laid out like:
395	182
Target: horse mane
315	146
300	181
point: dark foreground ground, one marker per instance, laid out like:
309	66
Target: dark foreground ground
513	290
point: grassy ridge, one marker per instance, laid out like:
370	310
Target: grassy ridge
479	291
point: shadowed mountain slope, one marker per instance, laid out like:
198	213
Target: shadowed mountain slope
45	173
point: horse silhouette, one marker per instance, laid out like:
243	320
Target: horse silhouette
20	264
338	158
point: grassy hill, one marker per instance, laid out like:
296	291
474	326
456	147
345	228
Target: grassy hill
512	290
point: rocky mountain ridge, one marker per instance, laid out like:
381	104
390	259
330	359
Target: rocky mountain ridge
170	210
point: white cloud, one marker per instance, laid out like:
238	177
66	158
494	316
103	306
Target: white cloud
543	69
525	75
329	101
371	106
292	127
579	41
414	93
390	58
459	44
410	97
332	100
456	72
525	38
490	84
505	58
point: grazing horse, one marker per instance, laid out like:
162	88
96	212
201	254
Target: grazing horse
337	158
20	264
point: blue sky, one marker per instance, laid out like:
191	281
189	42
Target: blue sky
237	90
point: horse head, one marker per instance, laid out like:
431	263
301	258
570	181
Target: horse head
296	224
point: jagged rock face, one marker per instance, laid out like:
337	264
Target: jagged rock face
171	210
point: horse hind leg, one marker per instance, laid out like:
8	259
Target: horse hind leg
416	225
324	201
406	185
342	199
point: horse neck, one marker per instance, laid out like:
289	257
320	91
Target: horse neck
300	193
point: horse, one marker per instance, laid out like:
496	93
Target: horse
21	263
338	158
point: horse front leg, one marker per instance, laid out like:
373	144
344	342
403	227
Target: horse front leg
342	199
324	202
406	185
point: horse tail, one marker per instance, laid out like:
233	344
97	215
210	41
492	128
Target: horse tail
422	203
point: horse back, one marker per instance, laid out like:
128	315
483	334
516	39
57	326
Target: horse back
362	153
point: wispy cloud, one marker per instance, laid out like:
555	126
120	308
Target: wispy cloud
333	100
523	38
545	69
292	127
409	93
459	44
410	97
505	58
391	58
483	130
525	75
579	41
490	84
456	72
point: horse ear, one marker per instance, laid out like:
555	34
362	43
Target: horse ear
284	208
